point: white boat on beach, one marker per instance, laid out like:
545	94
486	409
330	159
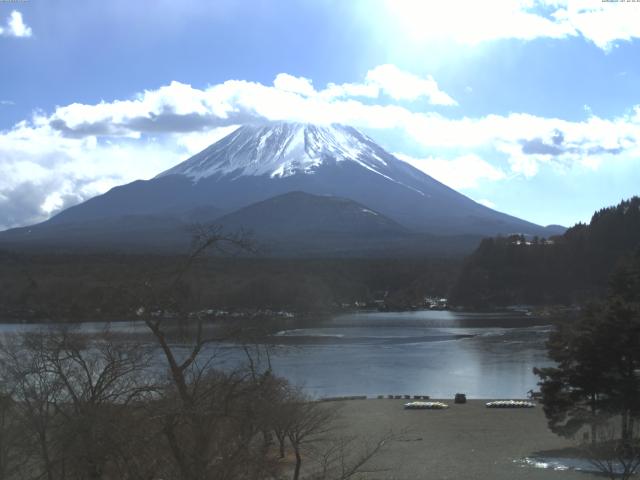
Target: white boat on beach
425	406
510	404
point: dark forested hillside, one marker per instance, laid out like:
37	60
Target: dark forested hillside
107	287
564	269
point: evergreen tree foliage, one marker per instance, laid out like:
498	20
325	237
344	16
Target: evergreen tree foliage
597	376
566	269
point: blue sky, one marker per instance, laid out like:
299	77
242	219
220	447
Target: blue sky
530	107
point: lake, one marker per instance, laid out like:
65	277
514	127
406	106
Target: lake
436	353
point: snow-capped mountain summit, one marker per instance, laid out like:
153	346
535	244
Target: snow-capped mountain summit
284	149
257	163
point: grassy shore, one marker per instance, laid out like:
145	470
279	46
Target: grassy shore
466	441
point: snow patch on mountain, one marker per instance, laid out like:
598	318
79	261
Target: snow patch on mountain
283	150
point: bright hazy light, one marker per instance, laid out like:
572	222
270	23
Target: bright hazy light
472	21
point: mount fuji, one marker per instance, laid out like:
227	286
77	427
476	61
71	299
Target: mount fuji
256	163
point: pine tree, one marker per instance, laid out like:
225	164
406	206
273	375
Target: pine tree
597	376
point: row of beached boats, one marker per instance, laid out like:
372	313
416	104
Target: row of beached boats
425	405
510	404
494	404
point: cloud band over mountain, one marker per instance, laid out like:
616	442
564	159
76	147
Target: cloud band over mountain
88	145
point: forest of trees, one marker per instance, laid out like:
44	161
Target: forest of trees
41	287
74	406
104	406
565	269
594	388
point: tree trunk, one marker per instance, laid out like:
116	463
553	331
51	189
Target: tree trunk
296	473
625	429
176	451
594	427
93	471
282	437
266	438
44	449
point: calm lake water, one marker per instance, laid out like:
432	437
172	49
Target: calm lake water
436	353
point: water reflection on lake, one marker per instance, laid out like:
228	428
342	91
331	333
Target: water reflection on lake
436	353
426	352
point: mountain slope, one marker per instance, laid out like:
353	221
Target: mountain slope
257	163
318	158
150	233
299	213
301	224
293	224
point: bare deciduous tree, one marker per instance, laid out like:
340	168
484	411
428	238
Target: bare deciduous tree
211	418
309	423
71	395
82	407
347	457
612	457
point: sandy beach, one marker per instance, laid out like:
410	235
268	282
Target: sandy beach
465	441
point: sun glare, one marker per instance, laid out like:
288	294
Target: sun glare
468	21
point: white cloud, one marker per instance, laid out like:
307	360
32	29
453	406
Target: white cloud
289	83
194	142
180	107
486	203
603	23
462	172
401	85
394	82
80	150
473	22
41	171
384	79
332	91
529	141
15	26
